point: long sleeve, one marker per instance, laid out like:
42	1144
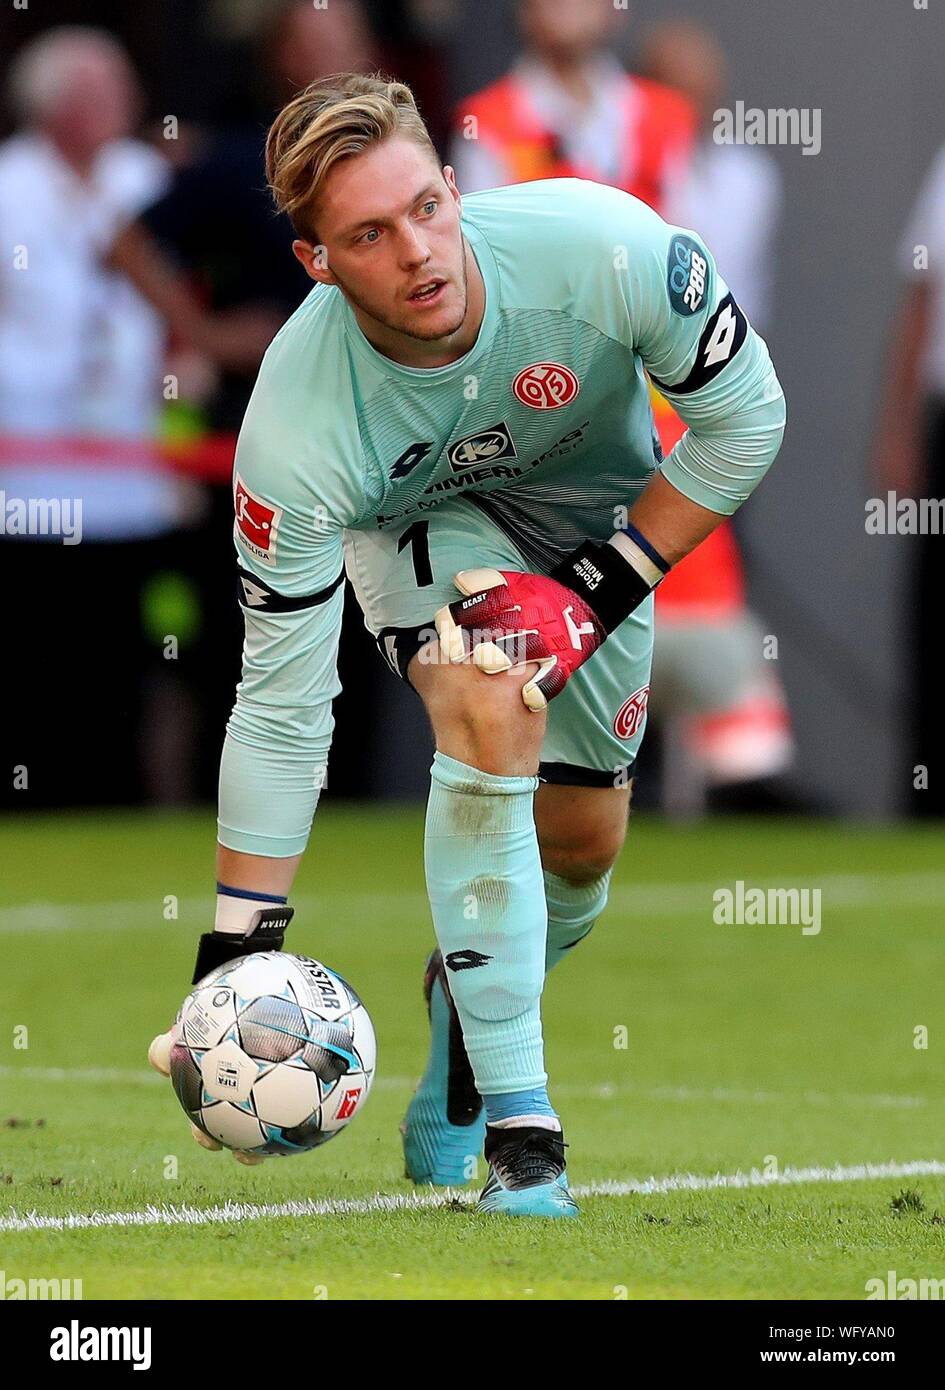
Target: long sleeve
289	554
279	733
705	357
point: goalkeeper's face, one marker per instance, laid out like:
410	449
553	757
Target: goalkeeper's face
390	238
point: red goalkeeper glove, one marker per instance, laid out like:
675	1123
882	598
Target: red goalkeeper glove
556	621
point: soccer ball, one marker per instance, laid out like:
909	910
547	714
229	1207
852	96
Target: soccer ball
273	1054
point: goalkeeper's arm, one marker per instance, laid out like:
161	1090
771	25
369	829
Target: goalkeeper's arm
273	764
676	314
272	769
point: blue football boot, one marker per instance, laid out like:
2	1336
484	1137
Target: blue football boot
444	1128
526	1173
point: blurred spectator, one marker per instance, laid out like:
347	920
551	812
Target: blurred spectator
80	379
568	108
716	698
730	193
80	351
415	37
910	461
216	222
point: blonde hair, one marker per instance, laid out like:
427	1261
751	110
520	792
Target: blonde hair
332	119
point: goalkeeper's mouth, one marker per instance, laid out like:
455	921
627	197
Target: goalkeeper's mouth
429	292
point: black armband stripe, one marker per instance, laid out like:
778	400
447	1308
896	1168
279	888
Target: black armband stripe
721	338
257	595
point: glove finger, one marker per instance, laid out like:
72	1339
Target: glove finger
452	641
463	626
491	658
482	602
500	651
476	581
548	681
159	1053
204	1140
250	1159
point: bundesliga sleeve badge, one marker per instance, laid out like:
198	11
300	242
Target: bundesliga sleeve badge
257	523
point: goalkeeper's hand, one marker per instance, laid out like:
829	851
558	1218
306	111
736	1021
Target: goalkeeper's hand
509	619
265	931
159	1055
556	621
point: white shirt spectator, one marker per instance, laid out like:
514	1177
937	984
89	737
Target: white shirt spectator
80	350
922	257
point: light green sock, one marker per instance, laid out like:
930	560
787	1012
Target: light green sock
484	879
572	911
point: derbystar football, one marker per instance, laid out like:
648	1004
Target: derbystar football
274	1053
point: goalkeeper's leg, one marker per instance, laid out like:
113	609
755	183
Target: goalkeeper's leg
580	833
487	892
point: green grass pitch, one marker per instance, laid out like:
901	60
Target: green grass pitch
747	1047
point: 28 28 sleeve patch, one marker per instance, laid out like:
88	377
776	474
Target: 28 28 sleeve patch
687	276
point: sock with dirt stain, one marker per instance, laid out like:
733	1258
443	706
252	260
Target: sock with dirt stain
487	897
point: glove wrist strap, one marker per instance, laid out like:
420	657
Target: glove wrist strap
608	579
265	932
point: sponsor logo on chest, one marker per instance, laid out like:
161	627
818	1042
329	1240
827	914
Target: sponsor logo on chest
490	454
486	446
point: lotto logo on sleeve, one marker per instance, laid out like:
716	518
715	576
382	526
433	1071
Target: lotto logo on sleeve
257	523
630	716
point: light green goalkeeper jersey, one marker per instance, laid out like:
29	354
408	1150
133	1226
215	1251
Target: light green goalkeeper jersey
545	425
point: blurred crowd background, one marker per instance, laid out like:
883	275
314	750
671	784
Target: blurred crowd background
143	272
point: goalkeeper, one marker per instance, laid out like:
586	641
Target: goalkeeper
461	403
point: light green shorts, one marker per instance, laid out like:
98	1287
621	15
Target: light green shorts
401	576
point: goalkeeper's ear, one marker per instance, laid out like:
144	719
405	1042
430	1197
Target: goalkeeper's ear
314	261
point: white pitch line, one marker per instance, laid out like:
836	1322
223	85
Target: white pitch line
594	1090
842	892
236	1212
